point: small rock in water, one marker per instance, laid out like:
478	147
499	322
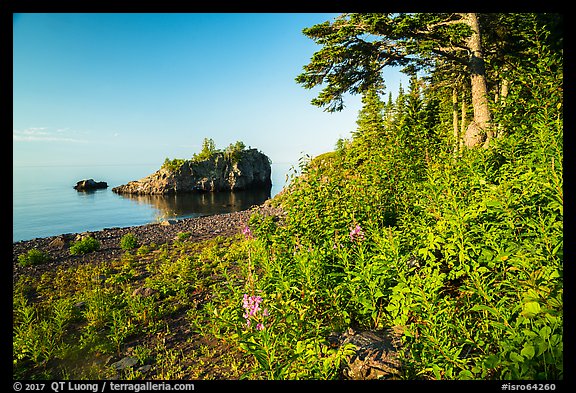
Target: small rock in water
90	184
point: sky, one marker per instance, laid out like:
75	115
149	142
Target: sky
114	89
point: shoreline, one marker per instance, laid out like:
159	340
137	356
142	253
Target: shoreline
200	229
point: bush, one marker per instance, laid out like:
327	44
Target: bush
33	257
84	246
173	165
234	151
183	235
128	242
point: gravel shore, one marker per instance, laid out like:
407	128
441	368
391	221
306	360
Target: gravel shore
201	228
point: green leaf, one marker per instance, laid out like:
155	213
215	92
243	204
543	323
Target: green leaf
465	374
491	361
516	358
493	203
530	309
436	371
528	351
498	325
481	307
545	332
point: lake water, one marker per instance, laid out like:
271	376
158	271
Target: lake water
46	204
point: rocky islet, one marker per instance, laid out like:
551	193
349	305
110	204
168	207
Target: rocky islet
250	170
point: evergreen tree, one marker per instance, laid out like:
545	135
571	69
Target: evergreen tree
356	47
371	116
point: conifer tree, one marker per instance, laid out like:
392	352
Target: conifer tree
356	48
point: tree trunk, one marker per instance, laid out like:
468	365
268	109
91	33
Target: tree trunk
479	129
502	101
504	91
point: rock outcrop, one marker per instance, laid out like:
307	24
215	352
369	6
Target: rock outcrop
248	170
90	184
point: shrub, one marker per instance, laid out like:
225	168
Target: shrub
128	242
84	246
234	151
183	235
33	257
173	165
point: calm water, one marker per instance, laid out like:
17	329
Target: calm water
45	203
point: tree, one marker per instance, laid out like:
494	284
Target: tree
479	130
371	116
208	150
357	47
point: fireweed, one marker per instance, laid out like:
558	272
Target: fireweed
356	233
251	305
247	232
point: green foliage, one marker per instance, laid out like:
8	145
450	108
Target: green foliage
84	246
461	254
128	242
183	235
173	165
234	151
208	151
33	257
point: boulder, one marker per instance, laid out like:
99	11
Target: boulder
376	355
250	170
90	184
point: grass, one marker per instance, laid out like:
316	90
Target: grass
78	328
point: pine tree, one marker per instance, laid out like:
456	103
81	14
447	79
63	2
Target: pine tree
371	117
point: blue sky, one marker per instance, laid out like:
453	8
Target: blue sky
107	89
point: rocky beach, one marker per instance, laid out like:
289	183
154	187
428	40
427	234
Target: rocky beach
201	228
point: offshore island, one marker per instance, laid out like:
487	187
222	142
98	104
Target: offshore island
234	169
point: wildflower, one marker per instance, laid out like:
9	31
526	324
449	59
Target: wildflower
251	305
247	232
356	233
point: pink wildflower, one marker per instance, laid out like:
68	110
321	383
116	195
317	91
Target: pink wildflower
251	305
356	233
247	232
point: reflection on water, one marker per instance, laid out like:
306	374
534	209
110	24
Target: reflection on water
188	205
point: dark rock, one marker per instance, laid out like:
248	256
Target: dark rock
90	184
144	369
82	236
125	363
376	355
143	292
80	305
220	173
59	242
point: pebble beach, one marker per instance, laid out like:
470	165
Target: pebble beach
199	229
